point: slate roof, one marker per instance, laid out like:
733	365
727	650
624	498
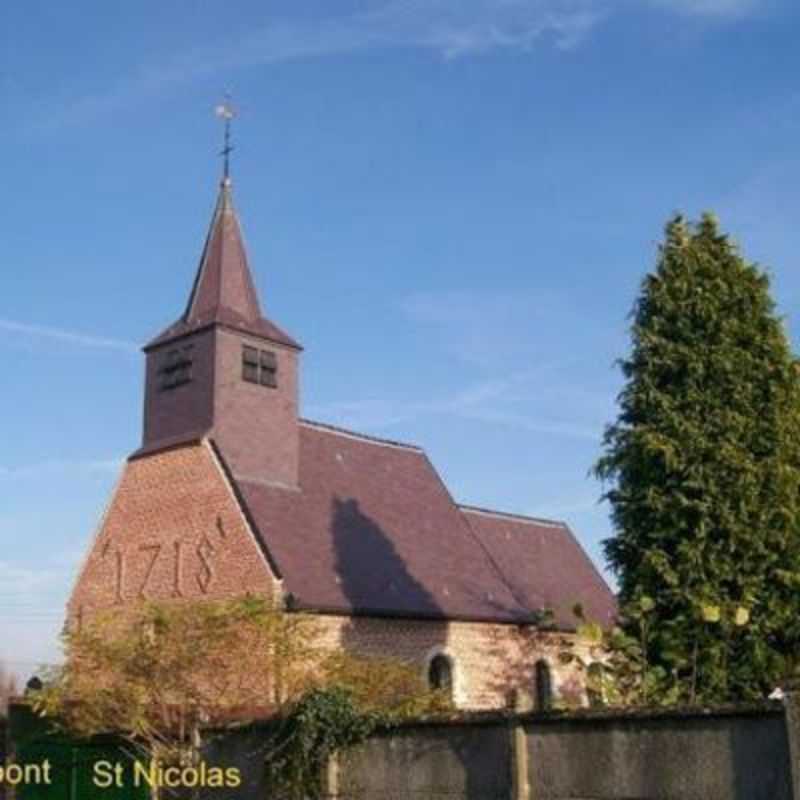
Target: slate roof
543	559
373	530
228	318
223	291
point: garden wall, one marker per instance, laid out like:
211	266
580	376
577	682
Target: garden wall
733	753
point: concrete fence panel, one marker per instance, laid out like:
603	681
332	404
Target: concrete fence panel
671	756
465	761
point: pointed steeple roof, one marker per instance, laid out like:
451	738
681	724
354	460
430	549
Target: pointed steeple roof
223	278
223	291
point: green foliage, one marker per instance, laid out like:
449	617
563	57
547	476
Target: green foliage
357	696
702	470
384	686
162	673
323	722
159	672
615	663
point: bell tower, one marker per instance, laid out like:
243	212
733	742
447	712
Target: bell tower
223	370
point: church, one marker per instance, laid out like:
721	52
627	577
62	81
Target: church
232	491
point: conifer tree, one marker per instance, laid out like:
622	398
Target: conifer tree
702	471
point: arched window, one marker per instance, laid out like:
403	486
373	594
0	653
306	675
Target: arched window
544	686
440	673
594	684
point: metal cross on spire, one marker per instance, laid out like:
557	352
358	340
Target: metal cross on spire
226	111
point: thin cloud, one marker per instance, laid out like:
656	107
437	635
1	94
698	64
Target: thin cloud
560	395
451	28
32	601
68	337
456	28
498	328
720	9
38	588
550	427
582	502
484	402
110	466
22	582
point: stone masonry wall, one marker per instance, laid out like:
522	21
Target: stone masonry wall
488	660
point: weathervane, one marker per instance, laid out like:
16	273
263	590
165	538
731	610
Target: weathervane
226	111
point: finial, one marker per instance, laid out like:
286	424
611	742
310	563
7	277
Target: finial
227	112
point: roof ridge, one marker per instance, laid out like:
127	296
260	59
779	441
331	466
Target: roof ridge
490	512
339	431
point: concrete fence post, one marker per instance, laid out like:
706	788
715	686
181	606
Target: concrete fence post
520	786
330	777
791	705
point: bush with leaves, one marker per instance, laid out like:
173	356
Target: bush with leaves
325	721
159	673
358	696
614	661
702	469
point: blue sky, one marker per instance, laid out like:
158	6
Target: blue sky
450	203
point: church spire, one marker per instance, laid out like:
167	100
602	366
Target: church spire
223	370
223	285
223	281
223	292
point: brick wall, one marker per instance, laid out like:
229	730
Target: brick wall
245	413
186	408
239	412
173	530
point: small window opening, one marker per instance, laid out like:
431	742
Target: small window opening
544	686
176	368
259	366
440	674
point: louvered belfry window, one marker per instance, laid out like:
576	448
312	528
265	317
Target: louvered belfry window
269	369
259	366
250	364
176	367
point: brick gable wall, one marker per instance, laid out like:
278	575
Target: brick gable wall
173	530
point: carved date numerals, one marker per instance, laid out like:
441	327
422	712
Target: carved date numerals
147	560
177	590
118	567
153	550
205	552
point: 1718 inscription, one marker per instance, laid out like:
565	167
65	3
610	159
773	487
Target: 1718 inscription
150	555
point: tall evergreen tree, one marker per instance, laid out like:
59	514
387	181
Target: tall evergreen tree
702	470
